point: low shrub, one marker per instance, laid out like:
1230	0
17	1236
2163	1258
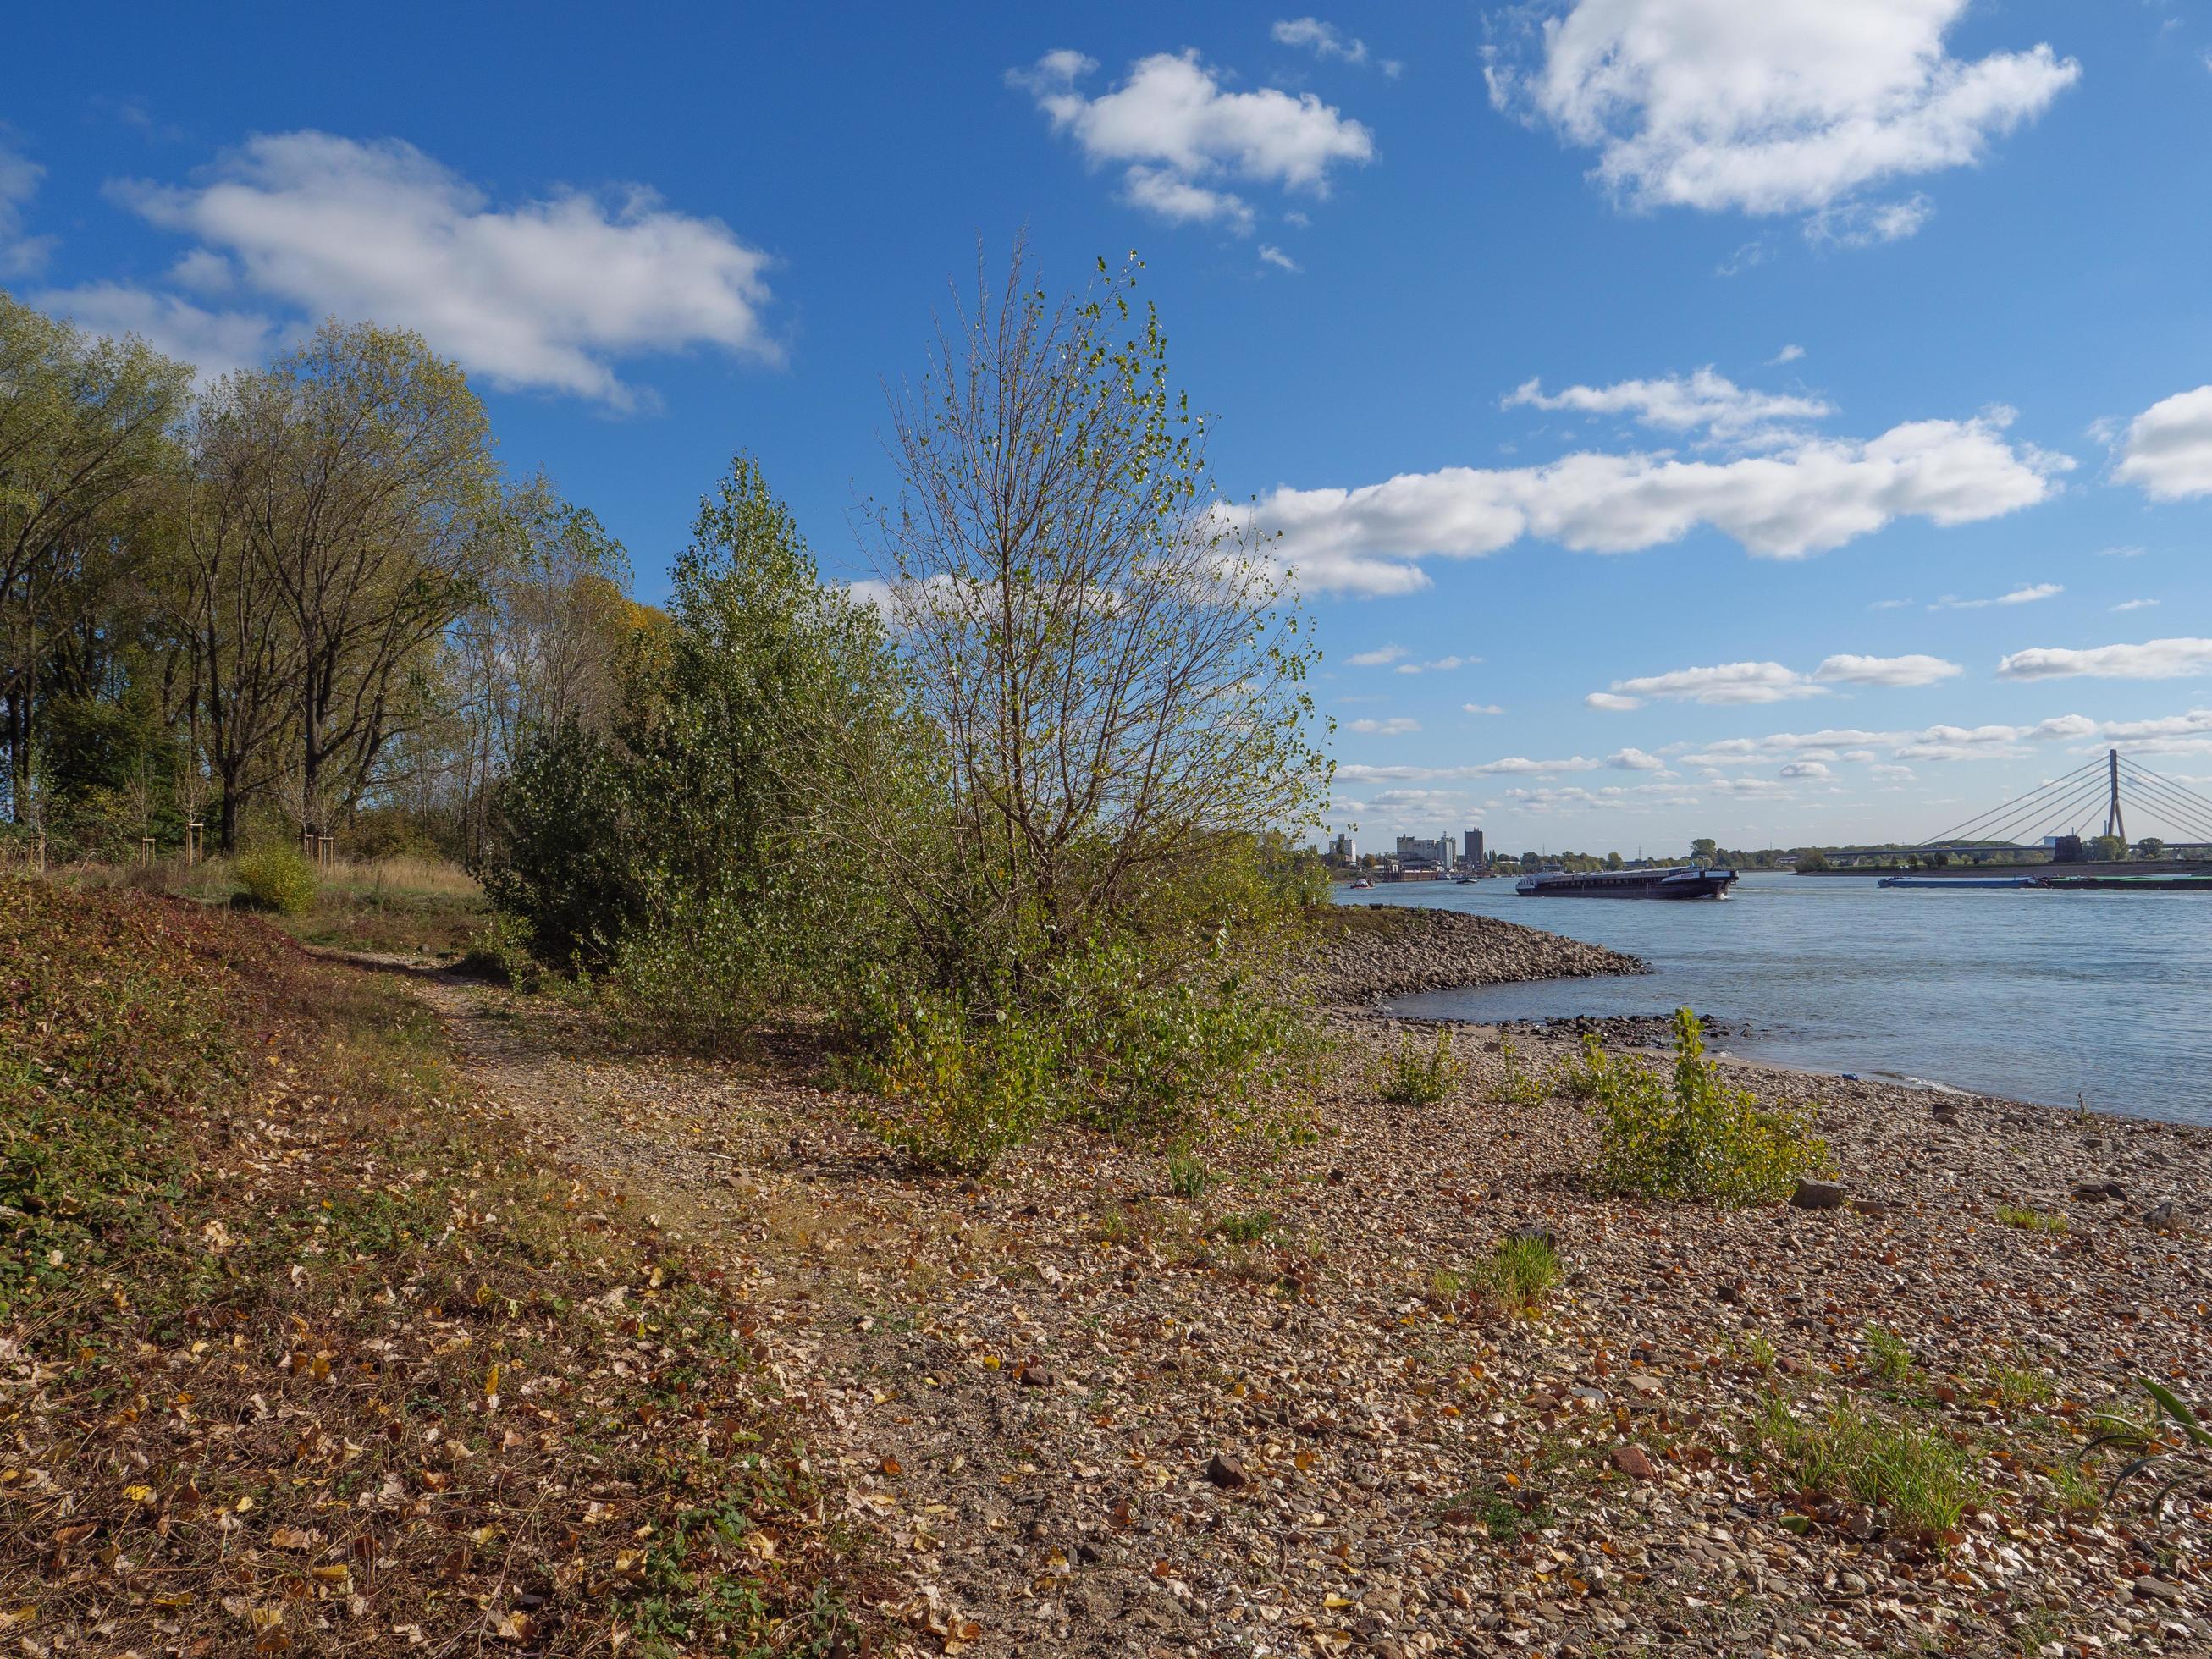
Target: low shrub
1916	1474
277	879
1247	1229
1887	1355
1416	1074
959	1093
1687	1136
2032	1221
1520	1271
1518	1087
1188	1176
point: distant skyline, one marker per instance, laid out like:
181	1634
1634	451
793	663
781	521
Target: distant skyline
1780	422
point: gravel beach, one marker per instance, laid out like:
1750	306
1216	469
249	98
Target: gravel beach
1088	1416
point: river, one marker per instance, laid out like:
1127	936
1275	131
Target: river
2102	998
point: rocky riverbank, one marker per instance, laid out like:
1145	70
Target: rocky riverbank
1371	952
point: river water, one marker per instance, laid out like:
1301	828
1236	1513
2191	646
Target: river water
2104	997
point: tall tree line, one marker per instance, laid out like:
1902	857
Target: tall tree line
302	594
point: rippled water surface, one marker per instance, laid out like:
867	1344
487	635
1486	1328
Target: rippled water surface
2104	997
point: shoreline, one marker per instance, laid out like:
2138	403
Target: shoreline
1363	980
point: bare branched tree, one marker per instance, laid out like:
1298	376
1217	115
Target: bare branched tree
1117	674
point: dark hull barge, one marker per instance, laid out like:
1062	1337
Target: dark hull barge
1683	882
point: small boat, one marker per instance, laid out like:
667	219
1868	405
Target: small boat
1463	881
1686	881
1363	883
1967	884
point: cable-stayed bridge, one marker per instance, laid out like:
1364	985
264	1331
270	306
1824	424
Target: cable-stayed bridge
2102	796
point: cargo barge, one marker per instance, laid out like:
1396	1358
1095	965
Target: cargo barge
1686	881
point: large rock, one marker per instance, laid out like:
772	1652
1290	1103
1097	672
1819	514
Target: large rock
1819	1196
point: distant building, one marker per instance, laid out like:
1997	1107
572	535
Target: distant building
1472	843
1344	850
1416	853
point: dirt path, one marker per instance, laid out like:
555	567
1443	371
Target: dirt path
1085	1417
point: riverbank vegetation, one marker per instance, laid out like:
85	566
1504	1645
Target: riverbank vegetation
1011	829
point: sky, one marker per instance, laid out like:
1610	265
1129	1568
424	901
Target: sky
1770	420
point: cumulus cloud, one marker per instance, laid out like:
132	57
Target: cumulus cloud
1634	760
2153	659
1398	726
1702	401
1787	107
1480	708
1441	665
2138	604
2168	451
2028	595
1848	669
1181	139
1612	702
1378	657
1722	683
1270	255
214	342
1808	498
1806	769
1789	354
21	254
546	294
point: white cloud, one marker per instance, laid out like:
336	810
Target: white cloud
2153	659
2168	451
2138	604
21	255
1889	773
1889	605
1177	200
1702	401
1634	760
1378	657
1806	769
1325	41
1520	766
1869	224
1480	708
2119	552
1807	499
1785	107
2018	596
1441	664
215	342
1789	354
544	294
1178	134
1396	726
1274	256
1885	671
1724	684
1611	702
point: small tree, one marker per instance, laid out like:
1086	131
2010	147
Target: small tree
1117	672
1705	850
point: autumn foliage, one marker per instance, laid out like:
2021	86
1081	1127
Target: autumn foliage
300	1352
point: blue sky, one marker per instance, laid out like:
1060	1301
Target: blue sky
1748	417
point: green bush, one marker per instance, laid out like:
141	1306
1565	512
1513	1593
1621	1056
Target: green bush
277	879
960	1092
1687	1136
1413	1074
